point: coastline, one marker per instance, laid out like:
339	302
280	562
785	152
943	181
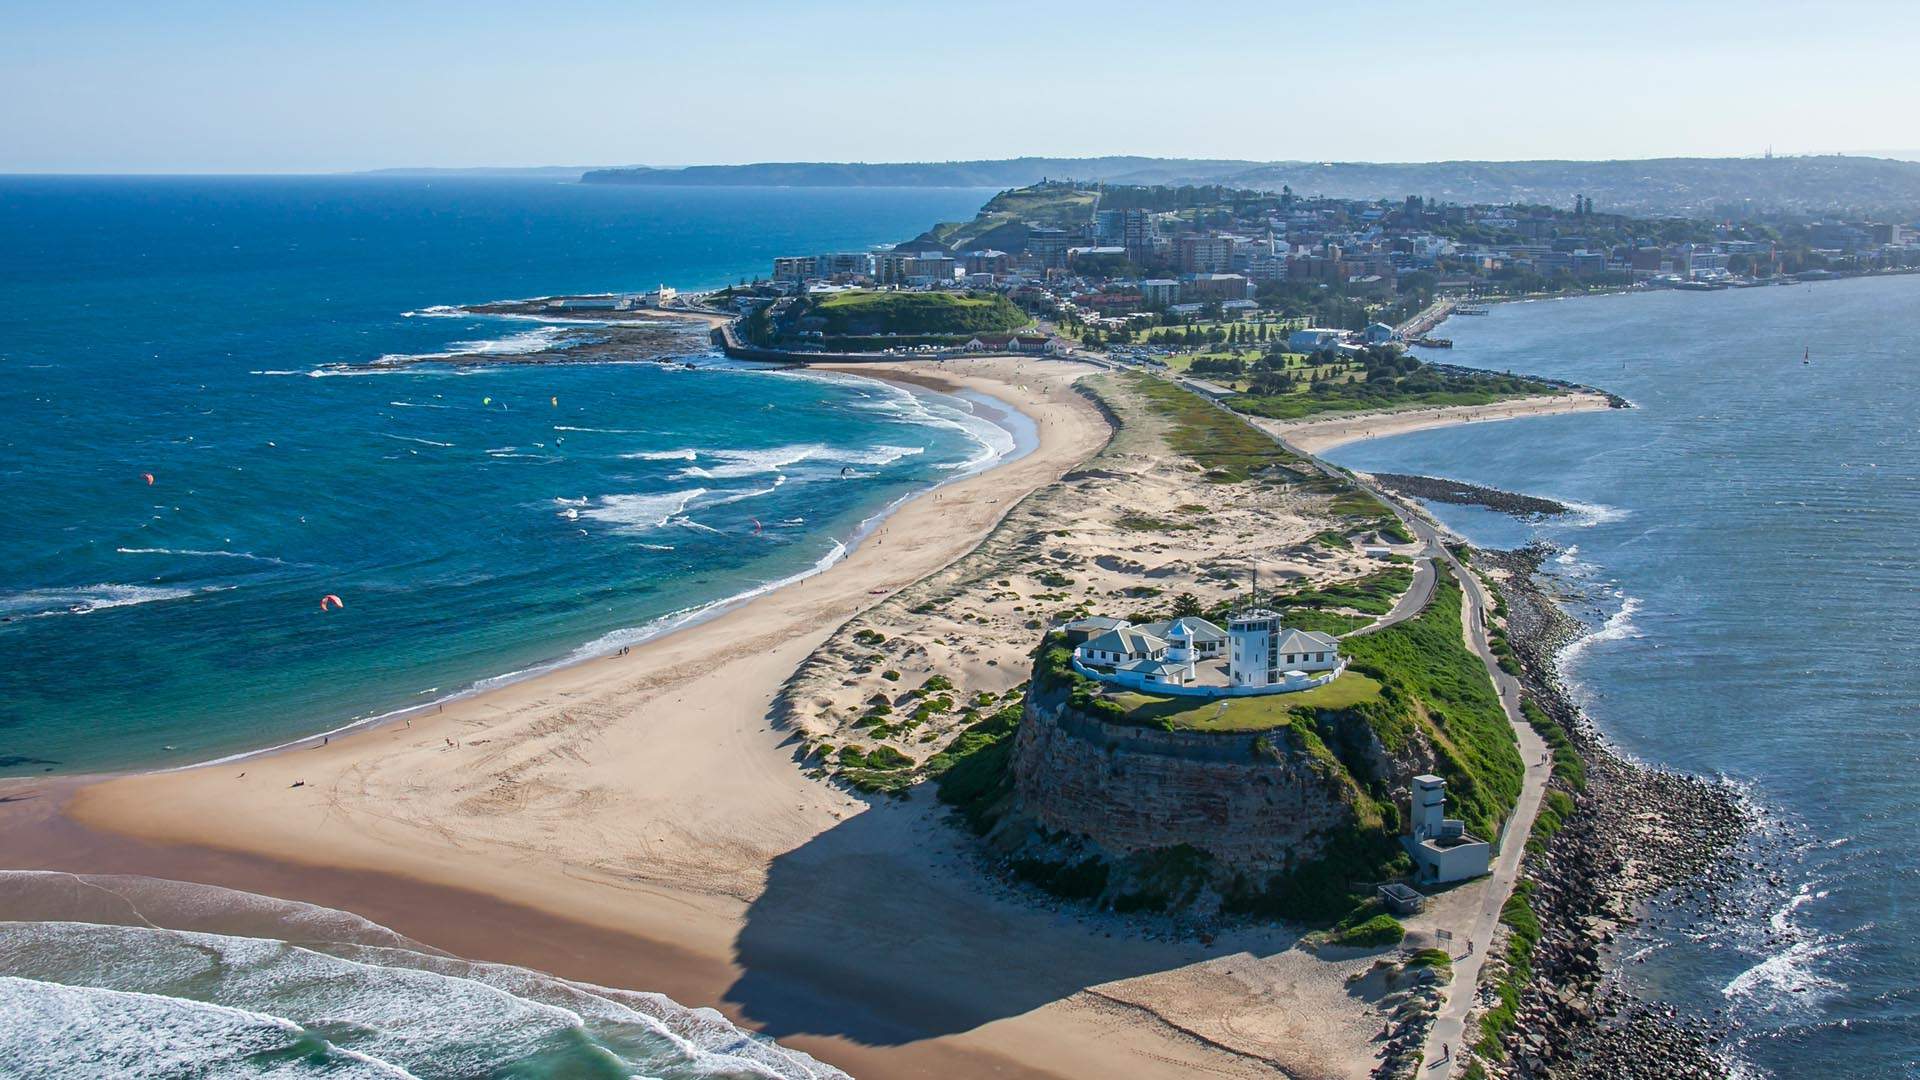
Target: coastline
524	793
1017	425
1315	435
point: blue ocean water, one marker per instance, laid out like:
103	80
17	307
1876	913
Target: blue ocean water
476	518
1746	540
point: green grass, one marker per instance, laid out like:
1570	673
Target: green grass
1227	448
1425	666
1325	622
1517	913
868	313
1374	594
1380	931
1262	713
1431	958
974	773
1567	765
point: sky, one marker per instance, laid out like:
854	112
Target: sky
287	87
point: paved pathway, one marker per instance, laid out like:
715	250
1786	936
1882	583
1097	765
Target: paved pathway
1449	1028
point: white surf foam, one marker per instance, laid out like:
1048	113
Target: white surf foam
1587	515
662	455
1618	627
641	512
738	463
85	599
202	554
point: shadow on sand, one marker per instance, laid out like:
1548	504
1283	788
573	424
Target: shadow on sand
876	931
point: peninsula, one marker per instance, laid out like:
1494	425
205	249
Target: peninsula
1166	747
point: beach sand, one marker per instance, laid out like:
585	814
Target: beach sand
1315	435
642	821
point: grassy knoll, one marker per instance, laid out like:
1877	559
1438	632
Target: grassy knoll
1362	391
1243	714
1002	221
1227	448
1438	684
866	313
1374	594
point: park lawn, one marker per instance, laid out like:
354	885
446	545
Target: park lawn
871	312
1262	713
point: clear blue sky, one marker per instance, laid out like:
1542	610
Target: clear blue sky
291	87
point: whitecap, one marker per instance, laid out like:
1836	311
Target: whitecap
1587	515
641	511
412	439
85	599
202	554
1618	627
738	496
662	455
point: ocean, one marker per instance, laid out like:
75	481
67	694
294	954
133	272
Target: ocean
477	519
194	453
1744	551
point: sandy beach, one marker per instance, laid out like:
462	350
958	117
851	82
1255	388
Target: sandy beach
641	821
650	821
1316	435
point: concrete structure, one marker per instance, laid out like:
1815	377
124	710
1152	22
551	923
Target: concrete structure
1398	899
1262	652
1216	287
1159	292
1441	847
1203	254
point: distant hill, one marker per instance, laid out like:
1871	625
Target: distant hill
531	172
1868	186
1006	173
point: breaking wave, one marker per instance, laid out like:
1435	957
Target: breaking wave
141	977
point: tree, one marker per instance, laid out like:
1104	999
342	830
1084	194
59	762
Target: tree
1186	604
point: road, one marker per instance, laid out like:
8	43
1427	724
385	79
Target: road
1449	1027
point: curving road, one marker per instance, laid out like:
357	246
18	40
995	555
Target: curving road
1449	1027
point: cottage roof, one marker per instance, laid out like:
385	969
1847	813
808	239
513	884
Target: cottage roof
1299	641
1095	622
1187	626
1125	639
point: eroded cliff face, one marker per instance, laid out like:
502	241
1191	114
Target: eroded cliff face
1258	803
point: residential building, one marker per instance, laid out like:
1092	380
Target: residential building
1204	287
1124	644
1203	254
1159	292
795	268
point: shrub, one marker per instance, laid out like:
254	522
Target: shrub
1377	932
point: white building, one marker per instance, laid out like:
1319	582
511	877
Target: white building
1313	339
1120	646
1263	652
1188	638
1441	847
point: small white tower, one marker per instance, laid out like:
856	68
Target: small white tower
1250	640
1429	806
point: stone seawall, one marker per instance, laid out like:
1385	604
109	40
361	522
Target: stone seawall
1254	802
